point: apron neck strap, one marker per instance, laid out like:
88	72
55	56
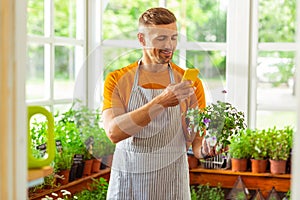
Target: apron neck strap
137	76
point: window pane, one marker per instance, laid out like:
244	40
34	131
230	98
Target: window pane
206	20
35	83
61	108
35	17
269	119
65	18
64	77
277	21
276	80
120	18
212	72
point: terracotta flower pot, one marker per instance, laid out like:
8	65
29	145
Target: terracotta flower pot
87	169
96	165
64	177
239	165
278	166
258	166
106	161
193	162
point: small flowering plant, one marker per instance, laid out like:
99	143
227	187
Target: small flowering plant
219	121
64	193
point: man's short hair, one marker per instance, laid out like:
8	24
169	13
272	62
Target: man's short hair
156	16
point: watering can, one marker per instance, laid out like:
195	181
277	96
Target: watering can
34	162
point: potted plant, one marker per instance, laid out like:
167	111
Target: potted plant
69	137
259	140
219	121
103	148
280	148
97	144
67	131
62	166
239	150
88	156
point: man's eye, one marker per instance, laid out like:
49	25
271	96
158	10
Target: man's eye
161	38
174	37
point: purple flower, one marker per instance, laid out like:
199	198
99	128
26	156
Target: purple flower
206	121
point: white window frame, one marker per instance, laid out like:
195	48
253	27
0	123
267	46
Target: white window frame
49	41
296	148
255	47
242	54
94	61
237	59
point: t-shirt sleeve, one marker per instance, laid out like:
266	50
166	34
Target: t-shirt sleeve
111	95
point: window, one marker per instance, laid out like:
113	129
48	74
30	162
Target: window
55	51
276	99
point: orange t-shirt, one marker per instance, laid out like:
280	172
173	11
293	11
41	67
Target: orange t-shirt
118	85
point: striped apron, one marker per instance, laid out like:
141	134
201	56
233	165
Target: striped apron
151	165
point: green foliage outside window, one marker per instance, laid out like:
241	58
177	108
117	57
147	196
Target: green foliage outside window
120	18
200	21
277	21
35	17
206	21
65	18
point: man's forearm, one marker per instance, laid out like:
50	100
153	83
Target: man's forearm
128	124
132	122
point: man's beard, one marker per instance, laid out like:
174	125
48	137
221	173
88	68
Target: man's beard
162	59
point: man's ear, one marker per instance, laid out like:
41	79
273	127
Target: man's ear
141	39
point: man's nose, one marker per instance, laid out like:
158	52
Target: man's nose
169	44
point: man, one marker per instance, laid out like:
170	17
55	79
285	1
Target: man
143	113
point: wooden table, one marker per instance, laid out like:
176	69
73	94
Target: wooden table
253	181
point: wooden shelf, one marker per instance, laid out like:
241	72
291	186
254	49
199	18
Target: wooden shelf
74	186
34	174
253	181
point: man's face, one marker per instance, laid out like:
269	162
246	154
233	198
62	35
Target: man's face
160	42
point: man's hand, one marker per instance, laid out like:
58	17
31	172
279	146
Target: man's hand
175	93
207	150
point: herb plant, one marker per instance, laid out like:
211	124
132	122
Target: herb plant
220	121
205	192
240	146
280	143
260	141
98	190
